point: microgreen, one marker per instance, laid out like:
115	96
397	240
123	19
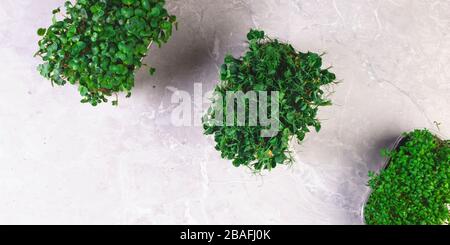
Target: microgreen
415	187
99	44
270	65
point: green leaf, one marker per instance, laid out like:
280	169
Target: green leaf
41	31
156	11
145	4
83	90
413	189
268	66
56	11
128	2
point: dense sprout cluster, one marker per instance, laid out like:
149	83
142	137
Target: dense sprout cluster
99	44
270	65
415	188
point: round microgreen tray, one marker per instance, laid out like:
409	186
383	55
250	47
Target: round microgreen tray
397	144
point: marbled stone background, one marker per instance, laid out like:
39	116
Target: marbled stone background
62	162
